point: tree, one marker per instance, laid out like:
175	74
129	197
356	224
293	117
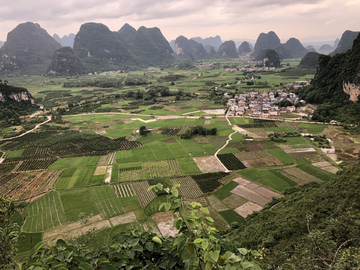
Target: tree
9	234
143	131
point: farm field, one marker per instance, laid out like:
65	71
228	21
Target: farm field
67	163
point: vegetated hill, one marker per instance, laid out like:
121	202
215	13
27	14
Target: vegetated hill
334	76
150	47
295	48
65	40
326	48
266	41
215	42
270	58
345	42
244	48
228	49
101	49
310	219
28	49
186	48
128	32
66	62
311	60
210	49
14	102
283	52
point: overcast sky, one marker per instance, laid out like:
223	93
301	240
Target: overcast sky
228	18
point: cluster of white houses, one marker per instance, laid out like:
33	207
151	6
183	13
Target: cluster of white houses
263	104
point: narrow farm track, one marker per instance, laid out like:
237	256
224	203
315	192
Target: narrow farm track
31	130
215	155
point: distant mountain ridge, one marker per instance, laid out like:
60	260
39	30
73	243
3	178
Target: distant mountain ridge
215	42
346	42
28	48
65	40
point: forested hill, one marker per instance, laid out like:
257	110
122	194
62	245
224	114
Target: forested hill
334	75
14	101
310	221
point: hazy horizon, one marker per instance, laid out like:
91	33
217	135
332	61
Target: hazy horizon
230	19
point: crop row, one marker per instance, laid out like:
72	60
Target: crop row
123	190
36	164
130	169
188	187
144	196
208	182
173	132
231	162
36	151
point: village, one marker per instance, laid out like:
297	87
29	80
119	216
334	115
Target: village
267	104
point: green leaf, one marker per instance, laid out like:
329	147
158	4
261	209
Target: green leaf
167	206
37	247
191	248
206	256
175	192
215	255
157	240
161	206
209	265
243	251
138	248
37	268
159	186
85	266
204	210
178	223
194	260
149	246
205	245
209	219
229	255
198	240
255	253
191	223
150	188
247	265
110	267
134	242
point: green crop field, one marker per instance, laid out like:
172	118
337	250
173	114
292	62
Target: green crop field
188	166
312	128
108	205
297	142
282	156
45	213
317	172
177	150
224	191
231	216
268	178
74	162
14	154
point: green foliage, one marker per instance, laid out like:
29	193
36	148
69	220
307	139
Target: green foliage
311	59
9	234
198	130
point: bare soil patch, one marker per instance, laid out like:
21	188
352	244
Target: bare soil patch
216	203
207	122
124	218
234	201
164	221
208	164
331	169
100	170
301	154
254	147
299	176
247	209
246	155
322	164
169	141
254	163
100	131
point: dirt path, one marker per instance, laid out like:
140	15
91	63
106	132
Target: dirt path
215	155
31	130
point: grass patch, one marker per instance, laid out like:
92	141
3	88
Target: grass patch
188	166
303	161
225	191
268	178
312	128
14	154
74	162
231	216
317	172
114	173
281	155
